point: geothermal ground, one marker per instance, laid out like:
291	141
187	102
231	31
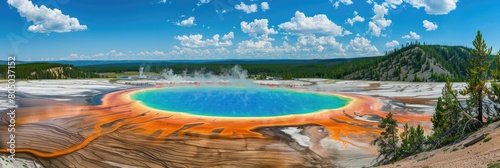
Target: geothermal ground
93	123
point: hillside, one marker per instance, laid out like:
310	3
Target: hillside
43	70
417	63
485	153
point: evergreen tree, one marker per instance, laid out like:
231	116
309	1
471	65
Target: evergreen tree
415	78
438	123
387	141
448	113
411	141
477	73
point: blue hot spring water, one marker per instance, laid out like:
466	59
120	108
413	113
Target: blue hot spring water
237	101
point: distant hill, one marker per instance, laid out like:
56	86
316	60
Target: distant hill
43	70
417	63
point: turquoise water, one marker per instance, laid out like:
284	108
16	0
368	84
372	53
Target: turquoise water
237	102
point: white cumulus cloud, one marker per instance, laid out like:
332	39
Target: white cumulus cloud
265	6
222	50
311	43
355	19
362	44
393	3
429	26
318	24
46	20
434	7
151	53
263	48
186	23
412	35
184	51
345	2
347	32
228	36
197	41
379	22
392	44
246	8
257	27
249	46
201	2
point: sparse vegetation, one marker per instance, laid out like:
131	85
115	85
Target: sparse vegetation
494	165
425	158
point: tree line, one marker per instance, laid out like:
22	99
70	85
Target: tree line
43	70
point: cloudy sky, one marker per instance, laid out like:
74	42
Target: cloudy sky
232	29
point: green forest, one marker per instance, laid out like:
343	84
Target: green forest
43	70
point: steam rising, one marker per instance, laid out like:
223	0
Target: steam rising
233	76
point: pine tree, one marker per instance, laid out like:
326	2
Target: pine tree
387	141
411	141
448	113
477	73
415	78
438	123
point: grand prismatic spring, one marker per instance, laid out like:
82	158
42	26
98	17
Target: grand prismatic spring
195	125
238	102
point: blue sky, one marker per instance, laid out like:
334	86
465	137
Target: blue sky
231	29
